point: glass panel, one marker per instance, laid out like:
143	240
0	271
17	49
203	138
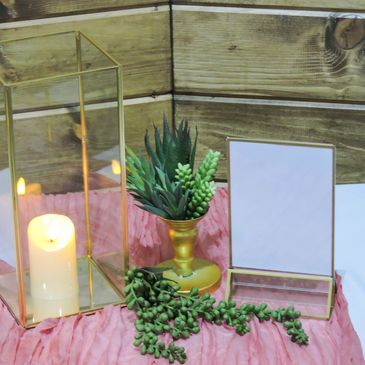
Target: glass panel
47	94
8	281
282	206
99	296
104	153
100	86
39	57
49	181
91	57
49	160
307	295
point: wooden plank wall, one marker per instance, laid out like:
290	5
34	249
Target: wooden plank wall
136	33
11	10
242	61
138	38
243	67
340	124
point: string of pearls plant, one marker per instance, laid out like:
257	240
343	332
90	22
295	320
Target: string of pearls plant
161	309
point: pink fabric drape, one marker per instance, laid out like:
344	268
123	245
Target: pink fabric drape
106	338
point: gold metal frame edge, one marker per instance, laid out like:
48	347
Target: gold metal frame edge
330	280
278	141
285	143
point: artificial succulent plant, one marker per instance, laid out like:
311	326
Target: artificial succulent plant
164	183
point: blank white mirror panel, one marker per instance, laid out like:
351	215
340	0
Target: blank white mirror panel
281	201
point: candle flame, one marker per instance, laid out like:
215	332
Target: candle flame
20	186
116	167
53	232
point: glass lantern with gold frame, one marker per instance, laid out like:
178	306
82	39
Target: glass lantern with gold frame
281	198
63	222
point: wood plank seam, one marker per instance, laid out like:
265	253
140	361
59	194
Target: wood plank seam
257	98
270	102
266	11
258	6
94	106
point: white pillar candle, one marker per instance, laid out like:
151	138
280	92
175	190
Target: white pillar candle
53	266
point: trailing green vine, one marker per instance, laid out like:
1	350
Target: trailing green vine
160	309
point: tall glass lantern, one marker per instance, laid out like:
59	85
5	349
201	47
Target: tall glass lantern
63	228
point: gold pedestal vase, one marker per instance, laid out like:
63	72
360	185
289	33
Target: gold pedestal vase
185	269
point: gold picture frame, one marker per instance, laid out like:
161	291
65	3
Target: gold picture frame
265	273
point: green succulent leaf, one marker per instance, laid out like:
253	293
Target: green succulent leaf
158	144
193	151
151	152
203	187
150	208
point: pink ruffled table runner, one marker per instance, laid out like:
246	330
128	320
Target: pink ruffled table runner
106	338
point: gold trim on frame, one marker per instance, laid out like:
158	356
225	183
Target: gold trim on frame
328	279
231	270
90	309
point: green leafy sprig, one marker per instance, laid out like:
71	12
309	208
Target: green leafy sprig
201	185
161	309
184	174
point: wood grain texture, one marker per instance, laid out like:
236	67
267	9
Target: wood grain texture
324	4
139	40
281	53
49	152
34	9
343	128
